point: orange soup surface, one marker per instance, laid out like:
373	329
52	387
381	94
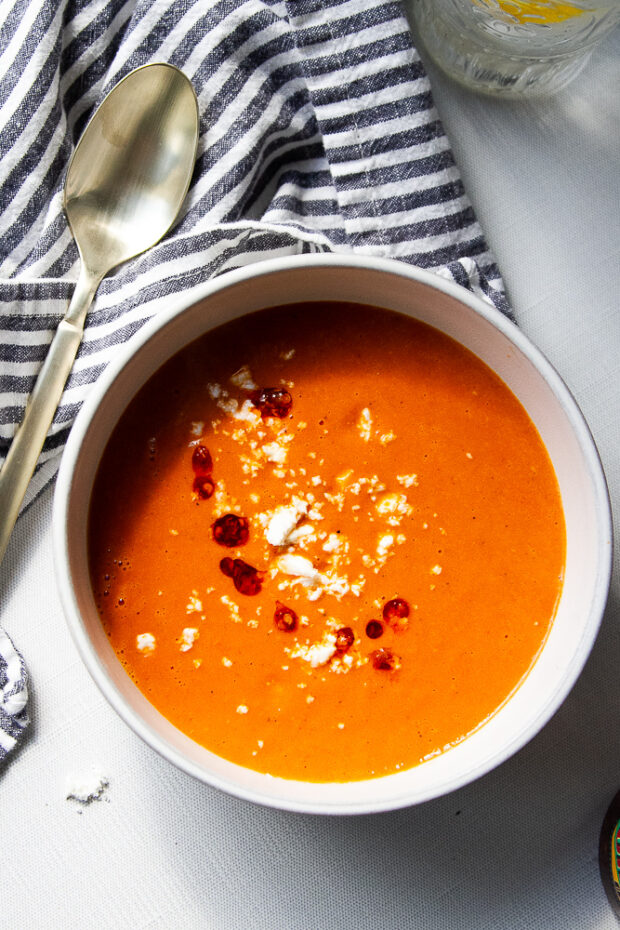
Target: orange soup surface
326	541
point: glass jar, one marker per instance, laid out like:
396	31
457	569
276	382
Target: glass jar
513	47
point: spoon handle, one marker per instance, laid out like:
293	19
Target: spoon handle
28	441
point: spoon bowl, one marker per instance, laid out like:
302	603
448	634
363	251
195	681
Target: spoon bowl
126	182
131	169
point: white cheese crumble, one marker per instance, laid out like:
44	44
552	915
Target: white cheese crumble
407	481
274	452
242	709
194	604
317	654
336	585
364	424
197	428
243	379
300	567
283	521
393	506
145	642
385	542
215	391
247	412
188	637
222	398
333	543
233	608
436	570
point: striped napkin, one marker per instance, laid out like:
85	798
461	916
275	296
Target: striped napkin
318	133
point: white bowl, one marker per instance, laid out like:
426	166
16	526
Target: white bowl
500	344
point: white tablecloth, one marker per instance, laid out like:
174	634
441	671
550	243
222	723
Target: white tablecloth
516	849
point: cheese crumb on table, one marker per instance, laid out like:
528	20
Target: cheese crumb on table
86	787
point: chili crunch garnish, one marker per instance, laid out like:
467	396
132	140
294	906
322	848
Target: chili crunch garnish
321	577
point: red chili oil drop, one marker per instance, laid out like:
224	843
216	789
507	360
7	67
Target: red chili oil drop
284	618
227	566
374	629
396	609
231	530
204	486
272	402
246	579
344	639
383	659
202	463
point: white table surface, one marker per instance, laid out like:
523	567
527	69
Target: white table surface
516	849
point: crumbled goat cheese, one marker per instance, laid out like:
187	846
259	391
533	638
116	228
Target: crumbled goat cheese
145	642
283	521
336	586
274	452
301	534
242	709
333	543
215	391
317	654
407	481
233	607
243	379
194	604
384	544
247	412
229	405
188	637
300	567
393	506
364	424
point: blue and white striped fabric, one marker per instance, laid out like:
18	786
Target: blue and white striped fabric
318	133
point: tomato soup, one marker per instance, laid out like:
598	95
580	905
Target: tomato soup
326	541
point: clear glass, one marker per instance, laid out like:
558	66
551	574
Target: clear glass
513	47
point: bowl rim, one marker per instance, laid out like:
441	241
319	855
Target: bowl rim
499	321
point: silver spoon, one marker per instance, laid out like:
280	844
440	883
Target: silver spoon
126	181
